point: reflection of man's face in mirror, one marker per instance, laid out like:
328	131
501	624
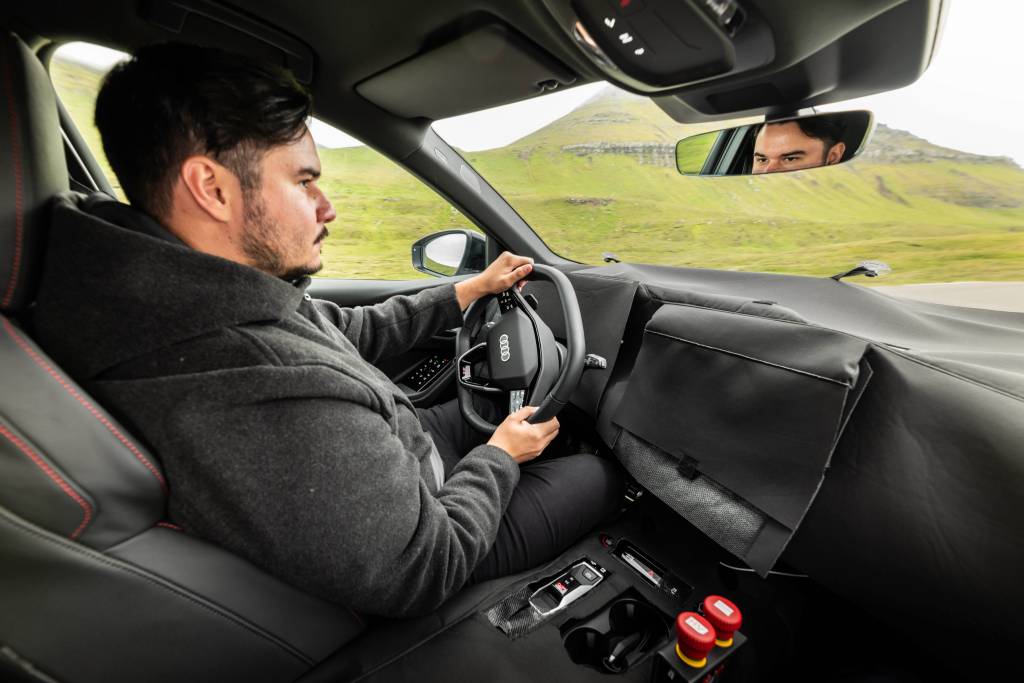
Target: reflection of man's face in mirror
787	146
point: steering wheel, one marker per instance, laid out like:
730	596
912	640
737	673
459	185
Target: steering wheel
523	359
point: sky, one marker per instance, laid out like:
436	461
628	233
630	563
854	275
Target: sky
969	99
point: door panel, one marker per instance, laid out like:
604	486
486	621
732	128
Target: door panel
426	372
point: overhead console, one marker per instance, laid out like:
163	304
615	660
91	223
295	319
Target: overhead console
714	59
665	43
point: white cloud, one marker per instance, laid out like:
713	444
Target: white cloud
327	135
90	55
504	125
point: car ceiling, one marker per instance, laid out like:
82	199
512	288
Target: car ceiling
350	40
351	43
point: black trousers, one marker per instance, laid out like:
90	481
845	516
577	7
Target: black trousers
558	499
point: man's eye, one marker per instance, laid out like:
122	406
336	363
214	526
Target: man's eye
306	182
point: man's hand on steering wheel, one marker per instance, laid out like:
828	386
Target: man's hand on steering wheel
502	273
518	358
522	440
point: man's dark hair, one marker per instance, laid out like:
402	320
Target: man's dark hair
173	100
829	128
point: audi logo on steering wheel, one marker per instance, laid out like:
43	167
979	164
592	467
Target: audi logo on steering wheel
503	347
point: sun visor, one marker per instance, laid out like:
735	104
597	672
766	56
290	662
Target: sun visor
487	67
736	416
209	23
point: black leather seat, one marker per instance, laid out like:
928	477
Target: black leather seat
93	585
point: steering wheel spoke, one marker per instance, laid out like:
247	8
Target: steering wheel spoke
507	301
516	400
467	379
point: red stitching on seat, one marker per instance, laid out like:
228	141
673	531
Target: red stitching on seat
19	207
64	486
88	406
169	525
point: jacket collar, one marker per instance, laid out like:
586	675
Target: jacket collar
121	286
125	216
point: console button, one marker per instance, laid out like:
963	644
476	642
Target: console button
626	7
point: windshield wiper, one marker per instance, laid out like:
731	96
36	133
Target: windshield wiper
865	268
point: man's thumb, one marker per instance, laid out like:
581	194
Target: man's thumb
524	412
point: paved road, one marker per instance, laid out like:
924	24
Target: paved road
1001	296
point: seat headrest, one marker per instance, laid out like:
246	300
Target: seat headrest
32	168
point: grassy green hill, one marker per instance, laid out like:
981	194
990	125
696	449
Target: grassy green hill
601	179
933	214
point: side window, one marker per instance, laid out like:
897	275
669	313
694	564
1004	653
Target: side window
381	208
77	70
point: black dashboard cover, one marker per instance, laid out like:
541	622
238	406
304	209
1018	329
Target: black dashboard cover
756	404
880	440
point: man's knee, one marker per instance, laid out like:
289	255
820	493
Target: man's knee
583	482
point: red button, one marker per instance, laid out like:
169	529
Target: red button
624	8
627	7
724	615
696	638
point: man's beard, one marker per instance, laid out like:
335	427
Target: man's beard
261	243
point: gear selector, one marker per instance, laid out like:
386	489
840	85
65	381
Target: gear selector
520	612
568	587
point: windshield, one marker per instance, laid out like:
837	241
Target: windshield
938	195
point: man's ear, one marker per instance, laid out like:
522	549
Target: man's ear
213	188
835	155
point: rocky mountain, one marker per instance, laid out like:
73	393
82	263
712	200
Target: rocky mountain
653	153
894	146
616	122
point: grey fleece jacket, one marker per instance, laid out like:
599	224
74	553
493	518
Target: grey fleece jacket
279	440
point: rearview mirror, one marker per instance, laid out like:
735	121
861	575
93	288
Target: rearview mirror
791	144
450	252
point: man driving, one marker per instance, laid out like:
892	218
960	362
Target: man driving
186	316
798	144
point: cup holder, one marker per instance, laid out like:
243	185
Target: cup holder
617	636
586	645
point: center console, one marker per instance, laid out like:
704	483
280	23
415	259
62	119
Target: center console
628	602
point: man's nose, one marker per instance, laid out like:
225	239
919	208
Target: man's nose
773	166
325	210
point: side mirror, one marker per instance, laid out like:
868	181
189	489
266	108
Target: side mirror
780	145
450	252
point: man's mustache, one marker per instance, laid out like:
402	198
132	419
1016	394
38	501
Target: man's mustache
323	235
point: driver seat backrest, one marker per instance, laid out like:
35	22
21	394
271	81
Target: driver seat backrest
94	586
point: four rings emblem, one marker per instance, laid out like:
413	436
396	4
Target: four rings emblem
503	347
